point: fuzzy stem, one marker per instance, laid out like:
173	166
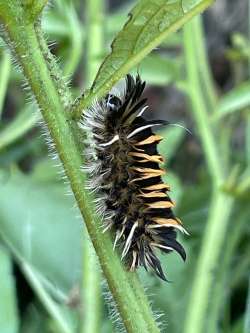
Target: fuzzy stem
221	204
34	7
25	47
54	69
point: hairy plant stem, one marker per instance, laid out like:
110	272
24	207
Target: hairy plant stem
54	69
34	7
132	304
221	203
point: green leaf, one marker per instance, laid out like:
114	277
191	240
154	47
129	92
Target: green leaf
172	139
114	23
175	185
235	100
38	224
8	309
158	70
38	220
149	23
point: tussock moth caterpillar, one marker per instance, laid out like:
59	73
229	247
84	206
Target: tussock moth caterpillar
124	169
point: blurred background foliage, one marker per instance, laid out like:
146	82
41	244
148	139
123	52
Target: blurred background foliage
41	237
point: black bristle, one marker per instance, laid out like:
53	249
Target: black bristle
125	168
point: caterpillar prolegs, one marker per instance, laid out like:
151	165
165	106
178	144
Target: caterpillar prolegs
124	170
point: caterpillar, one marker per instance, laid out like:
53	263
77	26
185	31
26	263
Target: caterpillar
124	169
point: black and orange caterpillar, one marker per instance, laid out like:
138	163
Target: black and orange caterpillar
124	168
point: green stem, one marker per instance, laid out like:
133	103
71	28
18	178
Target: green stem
4	78
91	282
91	290
221	203
133	307
95	30
198	105
54	69
76	38
203	63
34	7
208	262
219	287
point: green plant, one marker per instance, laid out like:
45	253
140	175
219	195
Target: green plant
149	25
